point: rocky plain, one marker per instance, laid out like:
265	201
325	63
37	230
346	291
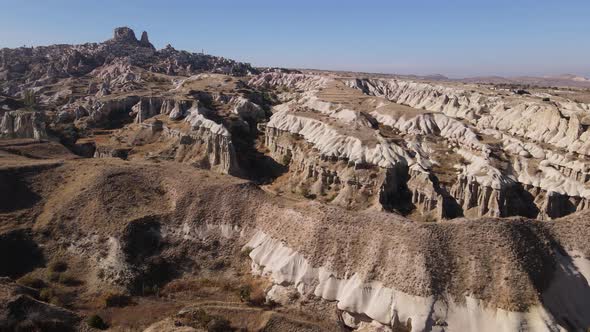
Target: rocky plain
163	190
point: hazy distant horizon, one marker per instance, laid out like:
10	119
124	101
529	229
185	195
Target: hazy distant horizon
457	40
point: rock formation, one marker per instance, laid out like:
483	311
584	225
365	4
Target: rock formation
23	124
480	166
370	267
137	180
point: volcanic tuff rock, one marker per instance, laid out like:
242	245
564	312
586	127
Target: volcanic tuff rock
23	124
450	151
484	275
30	67
341	213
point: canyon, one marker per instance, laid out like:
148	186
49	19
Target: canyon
214	195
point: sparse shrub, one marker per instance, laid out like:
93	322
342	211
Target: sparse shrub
218	265
218	324
50	296
252	295
32	282
53	276
112	299
463	161
68	280
245	253
307	194
181	286
245	291
95	321
310	196
58	266
294	296
147	290
46	294
428	218
205	282
200	319
286	159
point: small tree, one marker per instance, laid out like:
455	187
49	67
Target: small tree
97	322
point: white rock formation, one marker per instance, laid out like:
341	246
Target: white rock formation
388	306
461	148
23	124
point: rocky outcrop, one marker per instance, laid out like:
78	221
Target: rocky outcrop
110	112
23	124
452	165
124	35
374	268
148	107
210	138
144	41
247	110
391	307
20	310
25	67
556	124
513	121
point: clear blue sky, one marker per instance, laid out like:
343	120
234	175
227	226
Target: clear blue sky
455	38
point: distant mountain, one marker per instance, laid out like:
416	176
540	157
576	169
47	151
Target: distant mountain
563	80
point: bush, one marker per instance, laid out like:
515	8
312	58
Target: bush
218	265
116	300
58	266
46	294
68	280
50	296
200	319
287	159
32	282
245	253
97	322
218	324
53	276
253	296
245	293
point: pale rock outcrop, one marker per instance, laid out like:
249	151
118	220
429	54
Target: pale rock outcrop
26	67
331	143
294	81
517	116
389	307
23	124
148	107
247	110
100	112
207	138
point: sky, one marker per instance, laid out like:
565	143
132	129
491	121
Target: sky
454	38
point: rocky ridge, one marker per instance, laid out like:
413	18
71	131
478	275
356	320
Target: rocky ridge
488	169
376	268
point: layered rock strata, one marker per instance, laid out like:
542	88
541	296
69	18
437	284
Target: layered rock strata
454	163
